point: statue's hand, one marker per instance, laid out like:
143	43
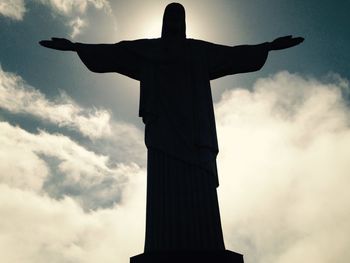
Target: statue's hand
58	44
285	42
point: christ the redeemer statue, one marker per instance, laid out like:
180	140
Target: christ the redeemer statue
182	216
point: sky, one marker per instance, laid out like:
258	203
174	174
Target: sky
72	157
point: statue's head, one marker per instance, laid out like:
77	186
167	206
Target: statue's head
174	24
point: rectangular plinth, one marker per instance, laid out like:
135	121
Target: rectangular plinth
221	256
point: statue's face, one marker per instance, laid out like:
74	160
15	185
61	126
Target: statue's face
174	21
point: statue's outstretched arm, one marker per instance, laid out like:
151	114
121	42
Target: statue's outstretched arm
59	44
122	57
284	42
227	60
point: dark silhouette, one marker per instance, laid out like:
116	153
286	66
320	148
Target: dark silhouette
182	219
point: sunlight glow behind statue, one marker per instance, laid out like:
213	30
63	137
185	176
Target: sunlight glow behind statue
182	215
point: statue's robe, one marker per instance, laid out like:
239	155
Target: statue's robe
177	109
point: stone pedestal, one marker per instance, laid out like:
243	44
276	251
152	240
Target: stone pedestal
219	256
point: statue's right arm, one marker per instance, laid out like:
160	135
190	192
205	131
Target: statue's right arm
122	57
61	44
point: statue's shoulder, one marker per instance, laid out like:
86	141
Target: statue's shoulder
155	42
198	43
141	45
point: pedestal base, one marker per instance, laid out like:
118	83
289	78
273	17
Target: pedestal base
224	256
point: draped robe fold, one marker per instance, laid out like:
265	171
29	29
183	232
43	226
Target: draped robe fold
177	109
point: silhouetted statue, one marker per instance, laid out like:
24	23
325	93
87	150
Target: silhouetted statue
177	109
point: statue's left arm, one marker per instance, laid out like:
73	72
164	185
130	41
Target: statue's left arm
226	60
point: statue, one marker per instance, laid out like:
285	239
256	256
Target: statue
182	215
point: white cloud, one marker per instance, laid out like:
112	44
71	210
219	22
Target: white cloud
72	7
66	7
77	172
38	229
284	166
125	144
20	167
74	10
122	141
77	25
18	97
13	9
100	4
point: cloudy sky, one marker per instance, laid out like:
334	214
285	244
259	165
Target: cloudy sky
72	159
